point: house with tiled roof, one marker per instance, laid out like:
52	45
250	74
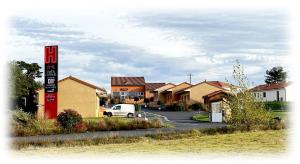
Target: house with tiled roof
76	94
169	93
273	92
125	89
150	87
194	94
158	96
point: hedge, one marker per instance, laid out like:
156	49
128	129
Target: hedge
277	105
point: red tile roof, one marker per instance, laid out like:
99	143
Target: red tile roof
265	87
216	93
218	84
153	86
127	81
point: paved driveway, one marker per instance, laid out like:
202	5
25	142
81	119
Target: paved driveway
183	119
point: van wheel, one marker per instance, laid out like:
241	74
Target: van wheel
109	114
129	115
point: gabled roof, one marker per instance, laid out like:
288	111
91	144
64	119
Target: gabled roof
179	84
170	86
127	81
79	81
153	86
266	87
216	93
218	84
183	90
170	89
82	82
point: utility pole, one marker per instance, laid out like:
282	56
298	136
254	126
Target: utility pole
190	75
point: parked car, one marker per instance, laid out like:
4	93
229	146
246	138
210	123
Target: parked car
120	110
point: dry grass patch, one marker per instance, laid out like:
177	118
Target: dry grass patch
270	142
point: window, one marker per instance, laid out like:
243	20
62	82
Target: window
142	93
264	94
118	107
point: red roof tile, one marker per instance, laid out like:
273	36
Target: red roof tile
265	87
218	84
216	93
153	86
127	81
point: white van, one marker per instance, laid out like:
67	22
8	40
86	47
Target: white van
120	110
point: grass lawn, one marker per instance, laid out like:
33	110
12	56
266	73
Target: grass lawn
201	118
256	142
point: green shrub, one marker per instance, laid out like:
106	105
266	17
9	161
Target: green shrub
175	107
137	107
68	119
105	124
276	105
247	112
24	124
21	118
197	106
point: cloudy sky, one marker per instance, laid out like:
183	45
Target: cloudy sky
162	46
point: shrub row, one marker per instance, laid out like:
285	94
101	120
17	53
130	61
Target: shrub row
277	105
106	124
24	124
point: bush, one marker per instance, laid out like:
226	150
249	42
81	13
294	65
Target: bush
24	124
22	118
197	106
276	105
69	119
136	99
137	107
105	124
175	107
246	112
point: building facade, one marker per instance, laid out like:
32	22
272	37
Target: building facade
194	94
126	89
273	92
169	94
75	94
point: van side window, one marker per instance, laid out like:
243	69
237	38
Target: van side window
117	107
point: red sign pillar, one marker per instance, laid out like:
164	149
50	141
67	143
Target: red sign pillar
51	78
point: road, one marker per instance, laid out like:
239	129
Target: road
182	119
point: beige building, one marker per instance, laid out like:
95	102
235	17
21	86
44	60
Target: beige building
75	94
194	94
158	96
169	94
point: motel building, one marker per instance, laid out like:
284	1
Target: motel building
75	94
125	89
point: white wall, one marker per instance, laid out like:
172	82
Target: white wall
290	93
271	95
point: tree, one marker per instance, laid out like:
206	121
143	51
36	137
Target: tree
275	75
23	84
246	111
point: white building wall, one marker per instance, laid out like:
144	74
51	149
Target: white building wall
271	95
290	93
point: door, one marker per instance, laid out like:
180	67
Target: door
116	110
216	112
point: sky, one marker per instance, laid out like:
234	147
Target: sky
161	45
